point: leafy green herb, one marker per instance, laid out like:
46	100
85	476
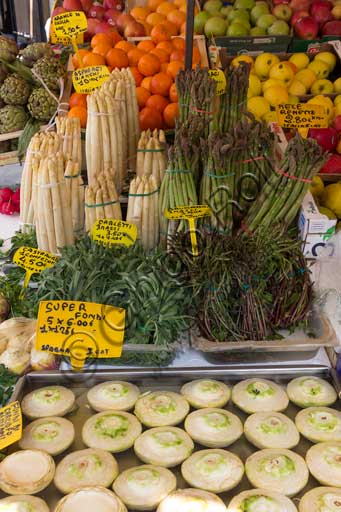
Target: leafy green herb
7	383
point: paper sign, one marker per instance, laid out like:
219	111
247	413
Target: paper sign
113	231
33	261
80	330
68	25
86	80
219	76
189	213
302	115
79	39
10	424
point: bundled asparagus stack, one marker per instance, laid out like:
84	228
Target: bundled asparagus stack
70	131
143	209
101	200
52	205
151	157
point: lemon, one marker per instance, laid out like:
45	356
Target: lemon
325	211
282	71
293	99
297	88
301	60
263	64
258	106
317	186
320	68
328	57
337	100
255	87
270	82
242	58
331	198
306	76
276	95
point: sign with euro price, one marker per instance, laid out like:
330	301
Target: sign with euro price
190	213
34	261
114	231
10	424
86	80
219	76
301	116
68	26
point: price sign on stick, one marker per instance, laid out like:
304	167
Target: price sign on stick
86	80
113	231
33	261
190	213
219	76
69	27
80	330
302	115
10	424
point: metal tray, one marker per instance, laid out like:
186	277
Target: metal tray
168	379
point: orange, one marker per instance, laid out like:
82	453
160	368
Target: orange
78	100
146	82
154	4
117	58
125	46
140	13
167	46
196	57
174	68
142	96
77	58
183	8
173	94
150	118
146	45
149	65
160	33
79	112
137	76
165	8
177	18
164	67
160	84
92	59
177	55
102	49
183	29
162	55
101	39
134	56
178	43
157	102
178	3
170	114
171	28
154	18
115	36
147	27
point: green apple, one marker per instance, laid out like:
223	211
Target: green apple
244	4
213	5
257	31
279	28
225	11
238	13
237	30
199	22
322	86
258	11
265	21
215	27
243	22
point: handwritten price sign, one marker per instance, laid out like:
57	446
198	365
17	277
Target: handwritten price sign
219	76
86	80
190	213
302	115
68	27
10	424
112	231
33	261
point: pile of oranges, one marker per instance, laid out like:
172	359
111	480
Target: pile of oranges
170	14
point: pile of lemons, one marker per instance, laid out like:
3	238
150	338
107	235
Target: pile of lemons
328	198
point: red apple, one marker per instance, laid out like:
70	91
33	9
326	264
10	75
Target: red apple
96	11
123	20
72	5
322	14
300	5
134	29
58	10
325	137
332	28
278	2
306	28
114	4
297	15
103	27
337	123
92	24
316	4
111	16
86	4
333	165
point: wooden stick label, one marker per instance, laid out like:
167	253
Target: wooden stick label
189	213
68	26
10	424
33	261
113	231
86	80
301	115
80	330
219	76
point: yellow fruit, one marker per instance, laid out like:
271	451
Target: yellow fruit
322	86
328	57
306	76
276	95
293	99
301	60
325	211
337	85
337	100
258	106
255	87
263	64
297	88
242	58
331	198
270	82
338	147
325	102
282	71
337	110
270	117
320	68
317	186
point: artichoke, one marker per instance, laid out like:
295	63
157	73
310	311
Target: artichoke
33	52
41	104
15	90
3	72
50	70
8	49
12	118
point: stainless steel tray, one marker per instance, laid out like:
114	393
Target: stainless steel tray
167	379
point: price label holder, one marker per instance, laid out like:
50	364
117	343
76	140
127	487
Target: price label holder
69	26
113	231
10	424
86	80
33	261
301	116
219	76
190	213
80	330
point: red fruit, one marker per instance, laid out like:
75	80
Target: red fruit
123	20
92	25
72	5
333	165
86	4
7	208
322	15
325	137
278	2
337	123
96	11
111	16
114	4
5	194
58	10
134	29
300	5
306	28
316	4
298	15
16	195
332	28
103	27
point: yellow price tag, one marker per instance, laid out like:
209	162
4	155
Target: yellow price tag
33	261
86	80
189	213
79	39
10	424
68	25
301	115
219	76
80	330
113	231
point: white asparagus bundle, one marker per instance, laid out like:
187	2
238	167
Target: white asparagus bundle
151	155
75	193
143	208
101	200
70	131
